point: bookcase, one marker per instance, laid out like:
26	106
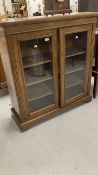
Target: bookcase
48	63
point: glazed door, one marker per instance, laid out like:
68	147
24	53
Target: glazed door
38	52
75	45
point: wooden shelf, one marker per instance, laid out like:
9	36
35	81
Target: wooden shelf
41	103
71	52
74	84
40	90
29	62
70	93
31	80
75	68
42	96
73	81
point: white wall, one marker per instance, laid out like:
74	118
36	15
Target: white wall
74	5
8	6
1	8
73	1
33	6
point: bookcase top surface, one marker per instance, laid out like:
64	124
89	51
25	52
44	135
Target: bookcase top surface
45	19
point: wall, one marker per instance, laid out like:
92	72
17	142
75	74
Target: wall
33	6
1	8
74	5
73	1
8	6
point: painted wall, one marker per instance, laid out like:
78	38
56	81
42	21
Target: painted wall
1	8
33	6
8	6
74	5
72	1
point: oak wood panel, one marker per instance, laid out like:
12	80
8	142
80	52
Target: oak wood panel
38	23
8	69
44	19
47	25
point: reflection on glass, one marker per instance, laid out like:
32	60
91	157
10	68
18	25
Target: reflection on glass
76	46
38	72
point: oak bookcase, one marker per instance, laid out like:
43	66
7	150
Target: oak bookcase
48	63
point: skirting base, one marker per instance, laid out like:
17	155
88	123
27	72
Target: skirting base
35	121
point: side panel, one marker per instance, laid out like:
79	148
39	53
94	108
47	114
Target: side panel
6	46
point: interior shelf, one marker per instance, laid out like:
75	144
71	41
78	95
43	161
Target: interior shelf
74	68
40	90
41	103
41	96
73	81
72	92
73	51
74	84
30	61
31	79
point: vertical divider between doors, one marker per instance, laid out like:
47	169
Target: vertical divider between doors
55	66
62	68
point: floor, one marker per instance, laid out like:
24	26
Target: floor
65	145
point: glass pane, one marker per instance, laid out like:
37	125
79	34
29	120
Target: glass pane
38	72
75	62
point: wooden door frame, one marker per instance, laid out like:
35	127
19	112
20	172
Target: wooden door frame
63	32
29	36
